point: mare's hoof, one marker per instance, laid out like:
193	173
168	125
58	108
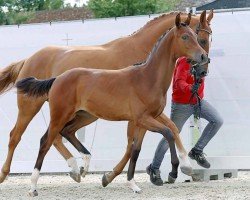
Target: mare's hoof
83	172
2	177
75	176
33	193
105	180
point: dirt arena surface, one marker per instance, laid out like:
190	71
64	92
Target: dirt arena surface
62	187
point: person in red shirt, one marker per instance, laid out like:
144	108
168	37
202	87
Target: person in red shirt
185	104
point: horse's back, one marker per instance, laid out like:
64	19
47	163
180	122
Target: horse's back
52	61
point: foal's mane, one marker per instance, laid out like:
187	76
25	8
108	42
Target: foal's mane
154	48
157	45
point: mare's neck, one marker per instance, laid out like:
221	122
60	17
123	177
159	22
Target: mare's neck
147	36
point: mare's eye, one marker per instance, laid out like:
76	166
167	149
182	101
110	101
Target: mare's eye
202	42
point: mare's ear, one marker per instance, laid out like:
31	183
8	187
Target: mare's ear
187	22
210	16
203	18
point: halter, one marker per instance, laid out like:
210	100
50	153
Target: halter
198	29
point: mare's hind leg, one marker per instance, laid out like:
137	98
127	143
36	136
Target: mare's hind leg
57	122
108	177
27	110
81	119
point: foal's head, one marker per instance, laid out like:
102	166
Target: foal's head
185	42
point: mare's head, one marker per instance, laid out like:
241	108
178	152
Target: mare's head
185	43
204	31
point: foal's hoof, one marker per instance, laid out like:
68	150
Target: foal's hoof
75	176
185	165
33	193
132	185
83	172
105	180
186	170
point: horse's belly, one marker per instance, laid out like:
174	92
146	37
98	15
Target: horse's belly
108	111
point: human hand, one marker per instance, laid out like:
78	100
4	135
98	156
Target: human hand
195	87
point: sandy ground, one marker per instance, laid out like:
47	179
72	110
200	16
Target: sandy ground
62	187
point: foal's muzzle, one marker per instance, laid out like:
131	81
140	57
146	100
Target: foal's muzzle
199	70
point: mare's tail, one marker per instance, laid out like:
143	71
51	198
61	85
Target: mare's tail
8	76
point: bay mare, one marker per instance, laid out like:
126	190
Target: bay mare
53	61
136	94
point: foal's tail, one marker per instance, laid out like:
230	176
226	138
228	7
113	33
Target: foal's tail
9	75
34	87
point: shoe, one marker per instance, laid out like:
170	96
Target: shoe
155	176
200	158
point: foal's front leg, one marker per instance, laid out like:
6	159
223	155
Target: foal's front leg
153	125
185	164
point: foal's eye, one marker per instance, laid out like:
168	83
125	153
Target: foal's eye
184	37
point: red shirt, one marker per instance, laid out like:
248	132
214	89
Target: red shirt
182	83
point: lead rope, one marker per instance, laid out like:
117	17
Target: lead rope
197	110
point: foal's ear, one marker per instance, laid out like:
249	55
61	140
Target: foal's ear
203	17
187	22
178	20
210	16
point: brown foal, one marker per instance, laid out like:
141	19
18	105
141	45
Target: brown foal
116	54
119	95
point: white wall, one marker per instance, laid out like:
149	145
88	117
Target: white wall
227	88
